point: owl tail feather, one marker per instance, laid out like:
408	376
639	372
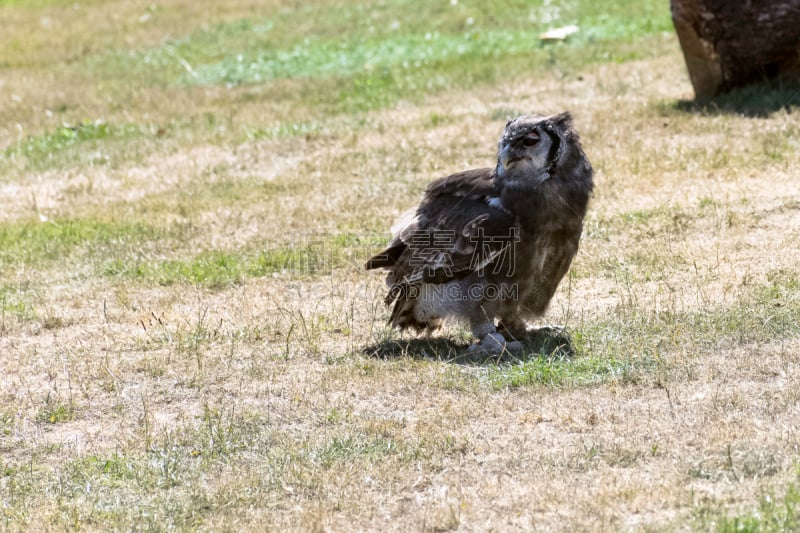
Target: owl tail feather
402	296
386	258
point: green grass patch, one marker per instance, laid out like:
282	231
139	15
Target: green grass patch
773	515
219	269
561	372
658	222
328	59
762	313
404	54
216	189
353	448
111	471
55	411
35	3
136	251
161	480
324	41
95	491
39	244
636	340
363	57
285	130
47	150
15	302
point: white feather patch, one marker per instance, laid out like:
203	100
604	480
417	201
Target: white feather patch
497	203
406	219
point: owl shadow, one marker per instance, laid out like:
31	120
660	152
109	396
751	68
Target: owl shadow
547	341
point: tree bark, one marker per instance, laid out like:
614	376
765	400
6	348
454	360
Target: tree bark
730	43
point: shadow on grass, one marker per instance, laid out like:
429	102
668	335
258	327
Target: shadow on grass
757	100
542	342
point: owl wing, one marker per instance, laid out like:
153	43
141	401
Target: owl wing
459	228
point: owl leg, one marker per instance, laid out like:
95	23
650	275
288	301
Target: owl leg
489	340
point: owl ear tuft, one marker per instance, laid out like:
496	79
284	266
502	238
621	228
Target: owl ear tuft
562	120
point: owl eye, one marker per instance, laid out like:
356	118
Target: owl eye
530	139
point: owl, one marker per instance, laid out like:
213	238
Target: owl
489	246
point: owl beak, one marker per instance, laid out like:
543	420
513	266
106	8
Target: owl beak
507	160
509	156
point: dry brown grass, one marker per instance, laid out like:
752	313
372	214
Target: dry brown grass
125	403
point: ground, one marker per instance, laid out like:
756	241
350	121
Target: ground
189	340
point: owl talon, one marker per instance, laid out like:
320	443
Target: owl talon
492	343
514	347
495	344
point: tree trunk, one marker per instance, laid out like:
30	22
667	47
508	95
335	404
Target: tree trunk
730	43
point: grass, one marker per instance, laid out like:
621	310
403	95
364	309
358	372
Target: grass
773	513
56	412
219	269
607	352
754	100
35	244
15	302
412	43
69	144
189	341
555	372
390	55
113	248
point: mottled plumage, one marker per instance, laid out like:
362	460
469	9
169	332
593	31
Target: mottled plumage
493	243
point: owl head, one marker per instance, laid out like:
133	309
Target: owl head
532	146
